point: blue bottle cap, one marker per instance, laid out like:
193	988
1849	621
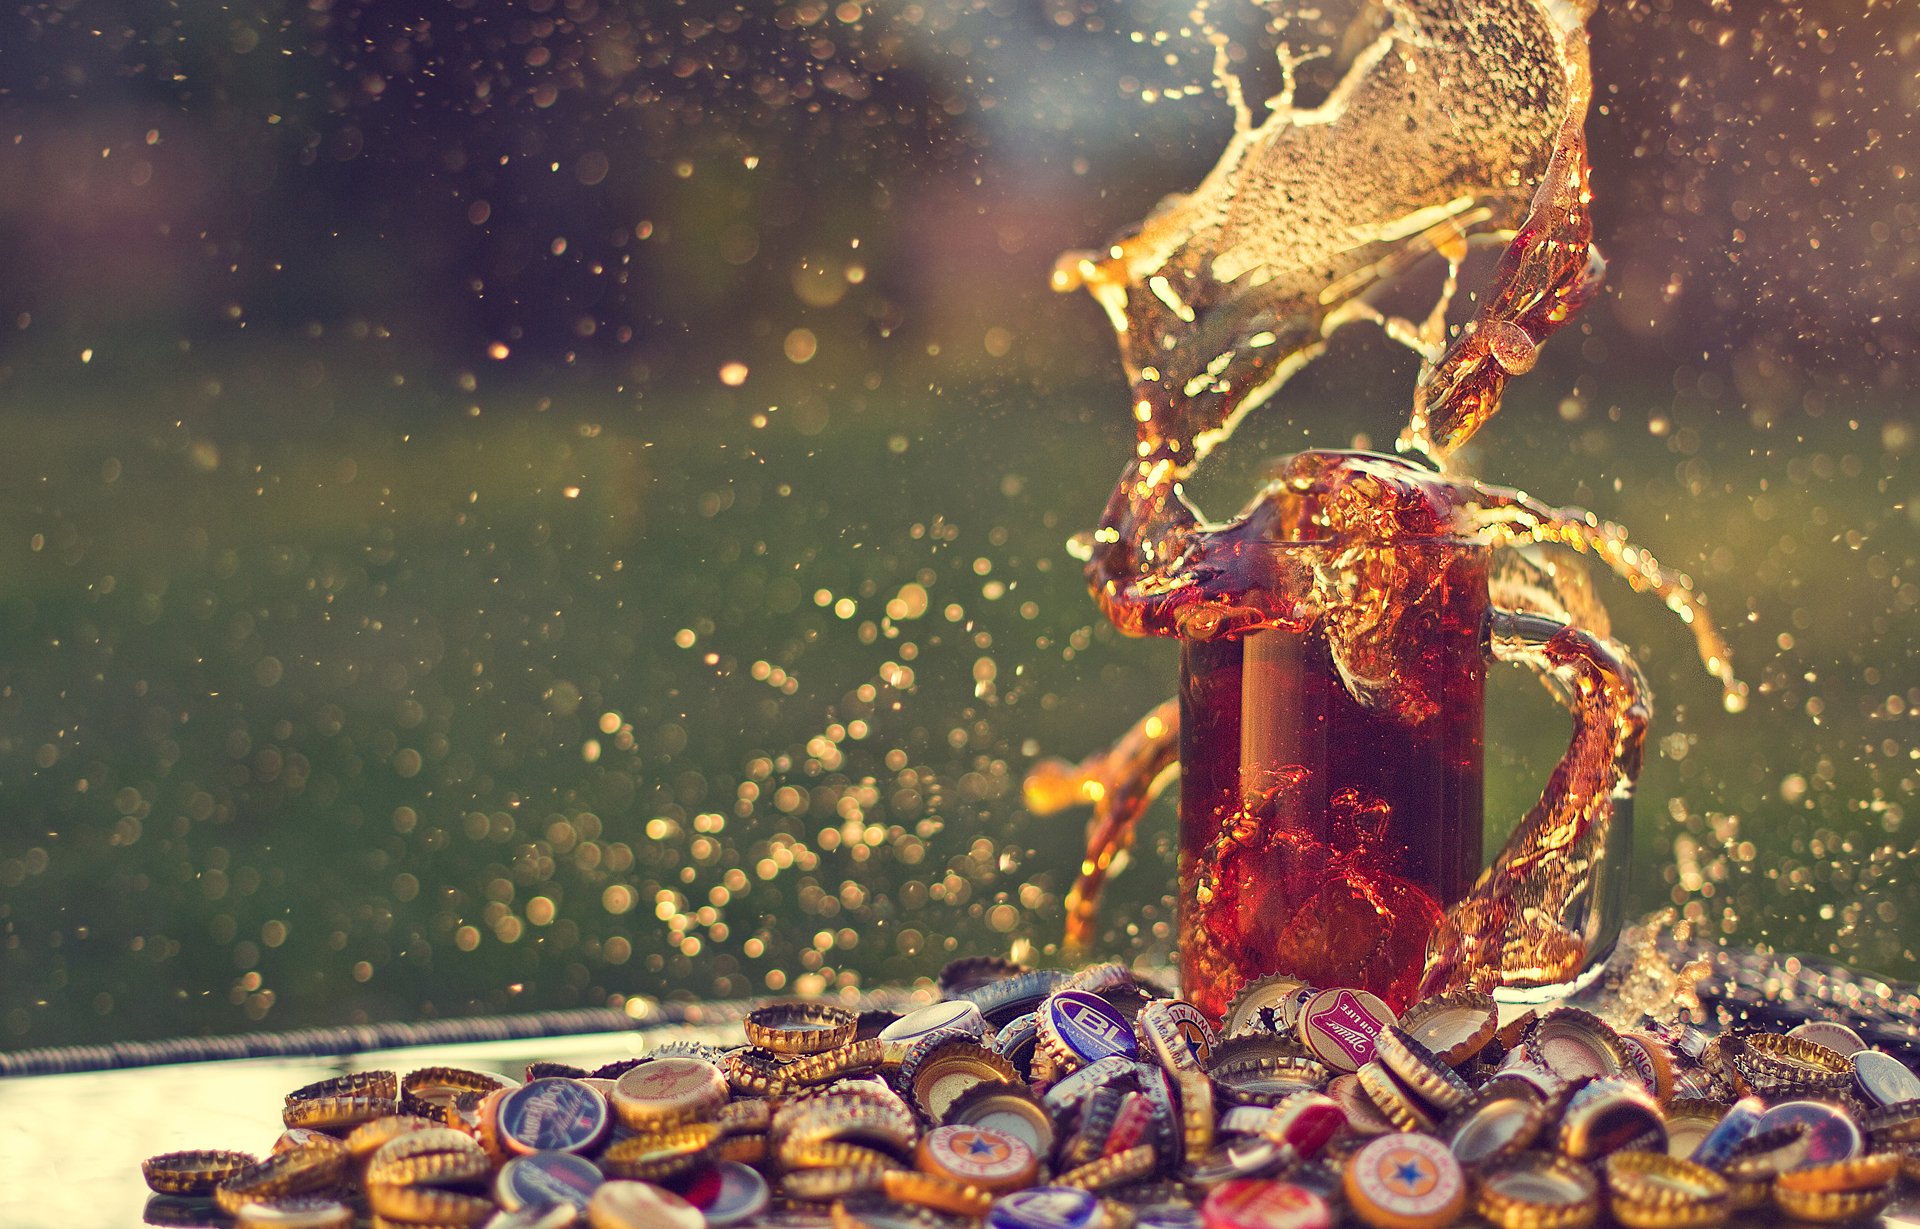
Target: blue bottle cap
743	1196
546	1177
1045	1207
553	1115
1168	1216
1090	1026
1718	1147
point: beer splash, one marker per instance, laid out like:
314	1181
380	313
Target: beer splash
1459	122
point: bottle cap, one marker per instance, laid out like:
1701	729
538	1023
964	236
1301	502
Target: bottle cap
659	1154
1304	1124
300	1212
942	1076
1419	1070
1533	1191
1455	1026
1078	1027
1827	1134
368	1138
1503	1117
1111	1171
1690	1120
1255	1203
1855	1174
1649	1190
984	1156
1267	1005
1776	1065
427	1205
640	1205
1045	1207
1831	1207
1650	1063
1608	1116
1399	1105
194	1173
1831	1034
1196	1113
970	973
437	1155
353	1084
925	1190
1267	1081
1363	1116
553	1114
1017	1040
956	1014
1009	1108
546	1177
1176	1033
668	1090
1892	1125
1015	996
742	1195
1405	1182
799	1028
1339	1026
1740	1121
1883	1079
1572	1043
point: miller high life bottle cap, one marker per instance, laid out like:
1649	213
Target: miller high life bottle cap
1405	1181
1339	1026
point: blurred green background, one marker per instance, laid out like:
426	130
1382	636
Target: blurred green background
518	506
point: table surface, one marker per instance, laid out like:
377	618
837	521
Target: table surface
71	1145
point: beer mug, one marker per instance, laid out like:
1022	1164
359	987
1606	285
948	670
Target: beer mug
1331	768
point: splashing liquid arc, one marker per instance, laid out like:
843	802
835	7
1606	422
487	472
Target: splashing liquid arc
1335	633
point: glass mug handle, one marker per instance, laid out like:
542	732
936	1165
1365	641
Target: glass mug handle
1550	905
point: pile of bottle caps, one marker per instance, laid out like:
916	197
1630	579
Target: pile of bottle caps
1040	1099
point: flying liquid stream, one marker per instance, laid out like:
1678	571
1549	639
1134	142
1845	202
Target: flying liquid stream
1460	121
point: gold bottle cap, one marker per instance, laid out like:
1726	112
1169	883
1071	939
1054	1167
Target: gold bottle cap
664	1091
822	1185
1502	1117
1572	1043
1650	1190
1455	1026
927	1190
832	1154
428	1205
1777	1065
1267	1081
194	1173
1831	1207
1855	1174
1689	1121
1363	1116
640	1205
799	1028
1420	1071
1196	1113
942	1075
354	1084
368	1138
663	1153
1532	1191
337	1112
1831	1034
297	1171
1608	1116
1400	1106
828	1065
1111	1171
438	1154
